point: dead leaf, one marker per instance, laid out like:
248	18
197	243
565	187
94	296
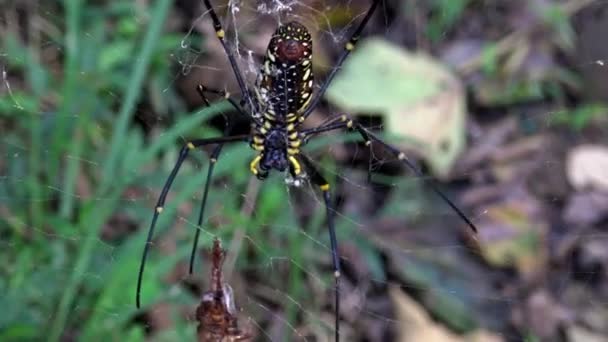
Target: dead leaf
420	99
513	235
587	167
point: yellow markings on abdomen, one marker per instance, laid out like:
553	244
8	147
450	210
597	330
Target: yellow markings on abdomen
269	117
258	139
305	104
306	74
291	117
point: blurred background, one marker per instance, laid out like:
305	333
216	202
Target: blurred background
504	102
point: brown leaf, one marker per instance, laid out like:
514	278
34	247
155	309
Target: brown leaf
513	234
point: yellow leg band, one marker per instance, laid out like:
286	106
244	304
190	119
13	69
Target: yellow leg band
297	169
324	187
253	166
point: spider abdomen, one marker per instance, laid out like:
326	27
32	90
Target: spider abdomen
286	78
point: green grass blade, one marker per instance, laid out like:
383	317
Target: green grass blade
142	62
89	50
73	168
181	128
93	219
72	50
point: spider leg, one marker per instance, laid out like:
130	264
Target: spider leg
212	161
201	214
317	179
368	137
219	32
431	182
161	199
201	89
348	47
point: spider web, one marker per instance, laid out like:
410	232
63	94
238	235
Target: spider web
396	239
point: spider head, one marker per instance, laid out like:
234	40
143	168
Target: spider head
291	43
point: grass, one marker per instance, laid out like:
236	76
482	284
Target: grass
108	186
74	155
64	146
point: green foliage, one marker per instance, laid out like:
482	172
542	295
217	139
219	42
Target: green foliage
75	157
559	22
446	14
58	274
489	59
580	117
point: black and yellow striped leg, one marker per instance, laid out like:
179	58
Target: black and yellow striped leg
317	179
163	195
348	47
369	137
219	32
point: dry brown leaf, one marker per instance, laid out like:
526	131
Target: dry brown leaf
514	234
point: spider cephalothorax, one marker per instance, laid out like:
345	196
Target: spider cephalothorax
284	89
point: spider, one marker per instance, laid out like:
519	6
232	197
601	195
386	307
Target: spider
280	101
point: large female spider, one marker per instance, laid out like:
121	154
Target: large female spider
280	101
